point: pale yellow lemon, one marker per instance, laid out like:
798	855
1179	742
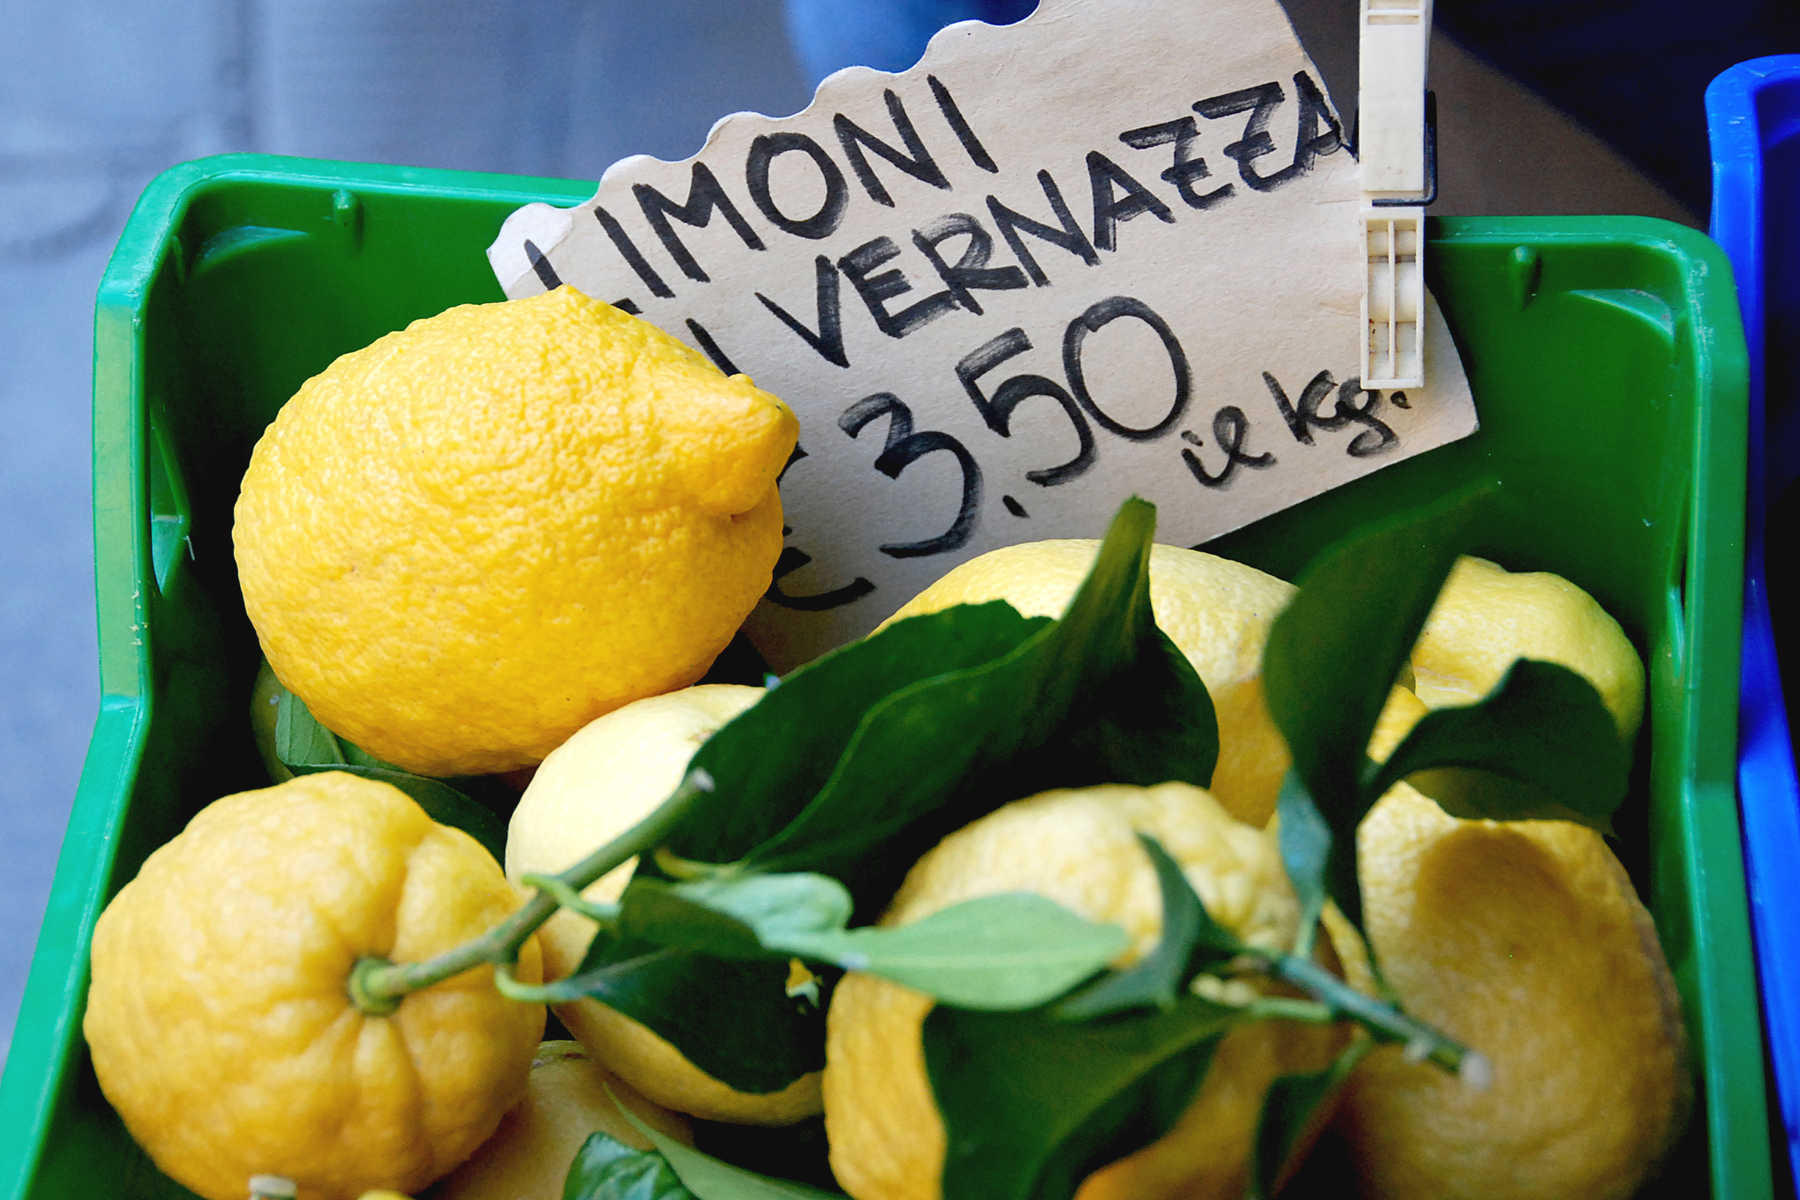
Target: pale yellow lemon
599	783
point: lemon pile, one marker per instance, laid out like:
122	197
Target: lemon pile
514	536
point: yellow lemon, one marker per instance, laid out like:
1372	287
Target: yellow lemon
1487	617
1526	941
220	1021
463	542
598	784
1080	848
566	1100
1217	611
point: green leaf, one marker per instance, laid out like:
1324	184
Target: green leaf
859	762
1190	940
1100	695
1540	746
710	1179
771	759
732	1019
299	738
1031	1103
747	916
1307	849
1007	951
1292	1111
607	1169
1336	650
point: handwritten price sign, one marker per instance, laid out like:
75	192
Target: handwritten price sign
1112	249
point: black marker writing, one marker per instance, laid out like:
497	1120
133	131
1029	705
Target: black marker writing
764	150
916	160
1188	166
971	270
959	125
828	338
1097	317
1230	429
905	447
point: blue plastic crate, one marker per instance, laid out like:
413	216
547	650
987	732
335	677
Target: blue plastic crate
1753	120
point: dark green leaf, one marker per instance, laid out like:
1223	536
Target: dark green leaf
858	763
1031	1103
1190	940
1337	649
771	759
732	1019
1007	951
1292	1112
1099	695
299	738
607	1169
709	1178
1541	746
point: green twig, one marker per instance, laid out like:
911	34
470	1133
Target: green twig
1384	1021
376	986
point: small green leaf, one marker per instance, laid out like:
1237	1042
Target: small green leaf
748	916
1291	1113
1031	1103
1190	941
710	1179
1007	951
1317	865
607	1169
300	741
1540	746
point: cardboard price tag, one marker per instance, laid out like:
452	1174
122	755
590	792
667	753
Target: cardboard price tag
1113	249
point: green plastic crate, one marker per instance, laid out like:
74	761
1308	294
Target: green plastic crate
1608	367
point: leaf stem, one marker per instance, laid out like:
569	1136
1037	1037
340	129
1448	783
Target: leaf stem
1384	1021
376	985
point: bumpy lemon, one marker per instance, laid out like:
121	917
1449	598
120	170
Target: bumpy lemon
1078	847
463	542
1526	941
567	1099
595	786
1217	611
1487	617
219	1019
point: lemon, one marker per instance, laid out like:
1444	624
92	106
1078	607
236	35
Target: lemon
598	784
1487	617
566	1100
466	540
1526	941
219	1018
1217	611
1078	847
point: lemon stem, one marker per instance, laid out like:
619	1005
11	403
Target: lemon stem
376	986
1383	1020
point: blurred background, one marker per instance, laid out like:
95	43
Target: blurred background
98	96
